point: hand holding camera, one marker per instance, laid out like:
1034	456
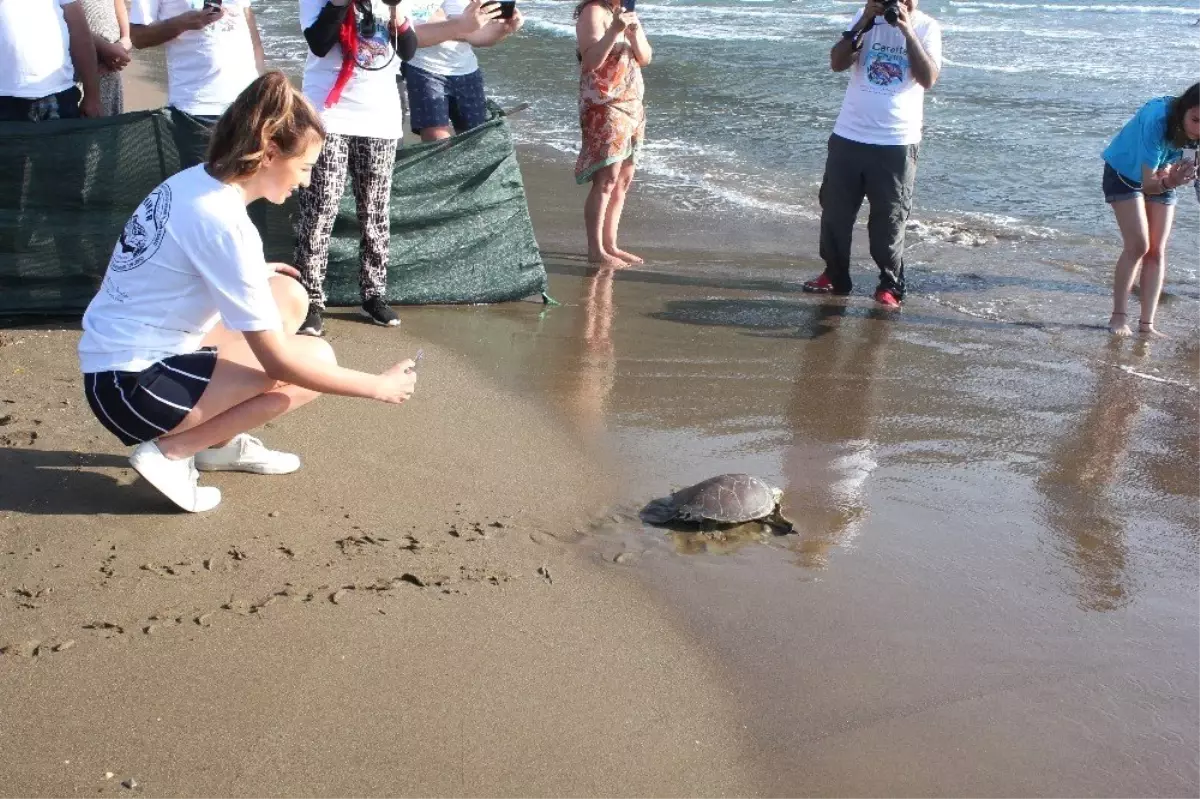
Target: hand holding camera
478	14
624	20
199	20
1178	174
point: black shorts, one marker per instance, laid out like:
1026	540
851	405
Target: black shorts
141	406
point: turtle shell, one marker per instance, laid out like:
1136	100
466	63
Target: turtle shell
727	498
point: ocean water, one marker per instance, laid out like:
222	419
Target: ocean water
741	103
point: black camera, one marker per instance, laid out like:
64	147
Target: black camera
891	11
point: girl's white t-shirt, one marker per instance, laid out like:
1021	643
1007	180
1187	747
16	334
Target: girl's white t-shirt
35	49
188	257
206	69
370	102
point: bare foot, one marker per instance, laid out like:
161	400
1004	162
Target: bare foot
628	257
605	259
1118	326
1147	330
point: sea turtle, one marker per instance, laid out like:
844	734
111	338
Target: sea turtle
725	499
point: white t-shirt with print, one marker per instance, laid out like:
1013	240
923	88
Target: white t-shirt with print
884	104
206	69
188	257
370	102
35	49
447	58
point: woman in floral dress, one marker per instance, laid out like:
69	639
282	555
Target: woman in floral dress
612	49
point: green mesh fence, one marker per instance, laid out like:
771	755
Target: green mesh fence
460	228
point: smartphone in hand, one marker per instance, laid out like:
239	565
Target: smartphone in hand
212	6
507	8
629	5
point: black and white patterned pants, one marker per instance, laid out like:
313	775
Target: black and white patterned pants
369	162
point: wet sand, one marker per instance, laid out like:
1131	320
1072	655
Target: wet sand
992	590
993	587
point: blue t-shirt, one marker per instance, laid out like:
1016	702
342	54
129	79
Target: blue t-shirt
1143	142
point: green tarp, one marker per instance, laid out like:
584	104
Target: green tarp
460	228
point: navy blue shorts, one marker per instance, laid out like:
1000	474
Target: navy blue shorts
438	101
1117	188
141	406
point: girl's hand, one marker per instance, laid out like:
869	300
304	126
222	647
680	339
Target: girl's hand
398	383
285	269
621	21
1180	172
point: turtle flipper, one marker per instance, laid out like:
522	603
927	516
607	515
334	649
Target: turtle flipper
658	511
780	522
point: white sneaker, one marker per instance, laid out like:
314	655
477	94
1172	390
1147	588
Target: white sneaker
175	479
245	453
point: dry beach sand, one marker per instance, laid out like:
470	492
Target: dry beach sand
399	618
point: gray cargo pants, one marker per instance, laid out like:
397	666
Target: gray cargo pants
885	175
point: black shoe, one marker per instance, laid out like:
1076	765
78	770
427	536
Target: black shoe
378	312
313	325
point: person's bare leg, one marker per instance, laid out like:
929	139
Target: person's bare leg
612	219
240	396
1131	219
595	209
436	134
1154	265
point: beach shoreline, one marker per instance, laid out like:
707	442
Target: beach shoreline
991	590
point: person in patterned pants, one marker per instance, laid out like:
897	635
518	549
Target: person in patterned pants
369	163
355	50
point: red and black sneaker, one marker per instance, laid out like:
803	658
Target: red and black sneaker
822	285
887	299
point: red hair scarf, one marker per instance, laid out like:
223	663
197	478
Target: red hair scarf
348	39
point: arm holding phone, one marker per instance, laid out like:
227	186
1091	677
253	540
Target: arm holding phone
598	31
499	28
165	30
474	18
636	35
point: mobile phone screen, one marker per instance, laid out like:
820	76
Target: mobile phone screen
507	8
629	5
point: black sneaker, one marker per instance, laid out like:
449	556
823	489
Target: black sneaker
378	312
313	325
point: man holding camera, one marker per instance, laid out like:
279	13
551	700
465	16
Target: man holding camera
213	52
894	53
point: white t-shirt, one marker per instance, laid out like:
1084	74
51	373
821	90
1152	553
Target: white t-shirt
35	49
370	102
188	256
884	104
447	58
206	69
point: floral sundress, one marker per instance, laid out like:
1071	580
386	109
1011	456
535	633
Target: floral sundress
612	117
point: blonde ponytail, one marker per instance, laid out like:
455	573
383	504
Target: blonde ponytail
268	111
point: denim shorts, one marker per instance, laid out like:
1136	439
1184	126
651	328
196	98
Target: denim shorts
1117	188
438	101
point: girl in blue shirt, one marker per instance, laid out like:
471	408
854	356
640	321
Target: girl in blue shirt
1143	165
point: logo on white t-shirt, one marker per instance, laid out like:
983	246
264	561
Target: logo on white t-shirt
887	67
374	46
143	233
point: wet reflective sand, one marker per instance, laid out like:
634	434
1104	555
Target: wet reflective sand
993	585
